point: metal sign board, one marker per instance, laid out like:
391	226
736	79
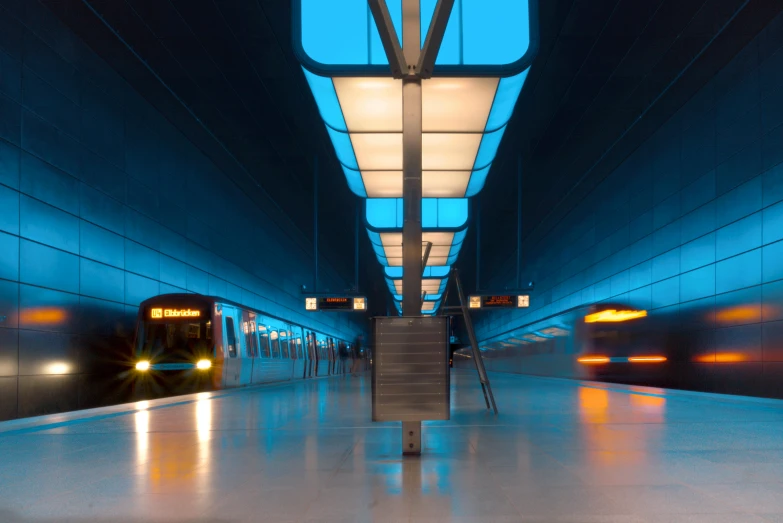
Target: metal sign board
499	301
336	303
410	374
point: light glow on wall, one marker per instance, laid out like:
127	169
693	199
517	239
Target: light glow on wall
612	315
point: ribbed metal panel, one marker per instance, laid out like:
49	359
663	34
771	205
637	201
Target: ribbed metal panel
410	373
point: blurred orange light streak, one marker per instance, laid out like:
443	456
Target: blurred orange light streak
612	315
647	359
593	359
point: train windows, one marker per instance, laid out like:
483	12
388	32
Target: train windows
194	331
299	347
275	344
284	345
263	337
292	345
250	339
175	341
231	337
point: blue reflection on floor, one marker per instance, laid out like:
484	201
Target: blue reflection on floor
559	451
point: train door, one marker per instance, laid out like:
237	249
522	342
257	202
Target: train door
301	371
251	347
319	355
310	354
332	357
261	364
231	341
287	353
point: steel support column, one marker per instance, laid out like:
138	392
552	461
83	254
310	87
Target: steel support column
411	188
411	162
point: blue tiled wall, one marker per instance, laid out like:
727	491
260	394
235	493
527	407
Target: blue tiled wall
103	204
691	221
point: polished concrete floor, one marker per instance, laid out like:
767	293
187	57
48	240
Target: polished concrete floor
559	451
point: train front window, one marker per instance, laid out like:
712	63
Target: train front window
176	341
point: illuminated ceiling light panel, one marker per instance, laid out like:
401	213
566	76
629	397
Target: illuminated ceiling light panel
444	251
463	121
480	69
431	286
395	273
385	214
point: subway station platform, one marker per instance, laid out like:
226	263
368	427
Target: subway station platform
560	451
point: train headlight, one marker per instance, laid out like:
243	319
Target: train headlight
203	364
143	365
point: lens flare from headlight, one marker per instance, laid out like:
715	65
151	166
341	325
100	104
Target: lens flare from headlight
203	364
143	365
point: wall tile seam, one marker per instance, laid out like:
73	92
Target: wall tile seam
491	337
555	270
73	42
760	303
304	251
81	110
270	283
302	246
324	327
511	259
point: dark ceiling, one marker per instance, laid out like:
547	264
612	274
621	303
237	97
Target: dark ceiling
225	70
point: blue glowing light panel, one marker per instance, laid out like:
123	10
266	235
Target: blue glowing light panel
493	36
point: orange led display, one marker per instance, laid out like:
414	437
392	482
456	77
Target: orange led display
160	313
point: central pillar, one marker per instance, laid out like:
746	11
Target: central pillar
411	195
411	162
411	188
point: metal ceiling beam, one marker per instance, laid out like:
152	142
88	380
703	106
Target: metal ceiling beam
391	44
437	29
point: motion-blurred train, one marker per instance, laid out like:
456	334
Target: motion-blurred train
188	342
693	346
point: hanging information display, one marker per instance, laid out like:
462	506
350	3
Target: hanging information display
499	301
336	303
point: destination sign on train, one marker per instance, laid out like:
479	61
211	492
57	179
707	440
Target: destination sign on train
496	301
160	313
336	303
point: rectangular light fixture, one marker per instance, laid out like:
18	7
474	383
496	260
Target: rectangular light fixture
613	316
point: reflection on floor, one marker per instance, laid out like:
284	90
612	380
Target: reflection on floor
559	451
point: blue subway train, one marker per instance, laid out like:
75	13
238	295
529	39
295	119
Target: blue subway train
698	347
188	342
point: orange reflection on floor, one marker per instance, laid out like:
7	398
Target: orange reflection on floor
652	407
593	404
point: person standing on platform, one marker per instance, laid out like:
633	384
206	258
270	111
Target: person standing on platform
357	353
343	352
